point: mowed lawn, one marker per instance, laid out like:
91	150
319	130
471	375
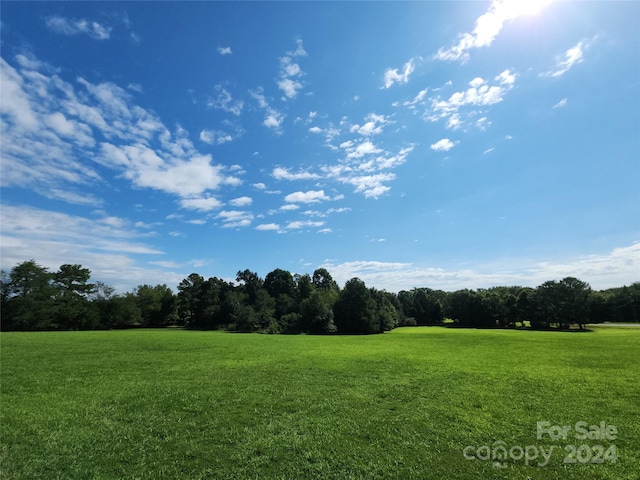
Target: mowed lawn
151	404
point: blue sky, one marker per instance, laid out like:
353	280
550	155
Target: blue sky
420	144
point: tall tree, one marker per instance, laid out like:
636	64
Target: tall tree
28	298
73	310
322	279
355	310
252	283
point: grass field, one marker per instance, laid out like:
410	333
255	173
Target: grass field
154	404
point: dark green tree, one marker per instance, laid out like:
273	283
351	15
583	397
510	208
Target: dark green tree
72	292
157	305
28	298
562	303
190	305
251	283
316	312
322	279
355	309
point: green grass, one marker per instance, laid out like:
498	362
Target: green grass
153	404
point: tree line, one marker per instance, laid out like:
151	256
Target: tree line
33	298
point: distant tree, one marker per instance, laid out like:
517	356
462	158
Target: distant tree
465	308
304	286
251	282
28	298
563	303
387	310
157	305
72	292
355	309
322	279
190	305
114	311
316	312
280	282
422	305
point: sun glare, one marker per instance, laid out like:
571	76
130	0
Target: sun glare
519	8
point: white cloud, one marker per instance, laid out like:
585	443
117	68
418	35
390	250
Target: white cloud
602	270
294	225
54	133
506	78
362	149
289	71
215	137
273	118
107	248
471	101
419	98
312	196
571	57
392	75
70	27
315	130
260	186
289	87
203	204
224	101
561	103
241	202
235	218
372	186
268	227
299	51
373	126
289	207
280	173
443	145
224	50
488	26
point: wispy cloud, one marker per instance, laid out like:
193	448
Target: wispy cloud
224	101
601	270
291	73
280	173
571	57
224	50
488	26
235	218
107	246
203	204
70	27
473	101
392	75
215	137
273	118
51	127
561	103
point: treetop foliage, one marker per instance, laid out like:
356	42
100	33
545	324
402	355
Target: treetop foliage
33	298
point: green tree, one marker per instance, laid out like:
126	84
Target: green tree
190	306
251	283
157	305
355	309
304	286
322	279
387	313
72	291
563	303
28	298
317	312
